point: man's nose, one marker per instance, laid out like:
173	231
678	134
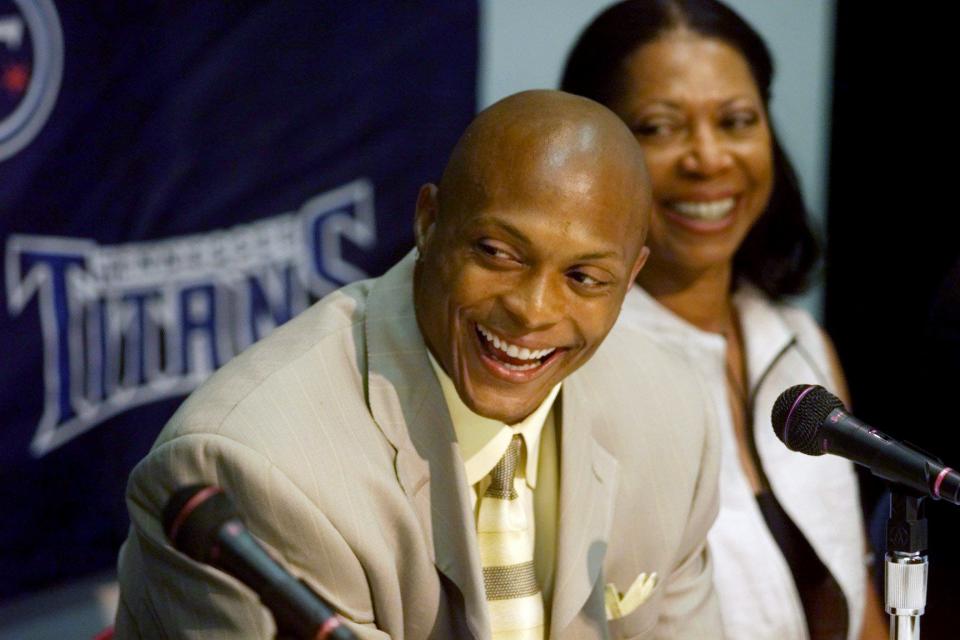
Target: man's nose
536	302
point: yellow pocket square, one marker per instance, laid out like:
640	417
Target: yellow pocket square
618	605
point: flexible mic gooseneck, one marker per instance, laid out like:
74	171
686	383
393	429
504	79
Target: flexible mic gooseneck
202	522
809	419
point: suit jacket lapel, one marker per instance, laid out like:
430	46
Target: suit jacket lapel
407	403
588	485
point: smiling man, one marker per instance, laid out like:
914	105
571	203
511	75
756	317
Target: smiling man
527	248
448	451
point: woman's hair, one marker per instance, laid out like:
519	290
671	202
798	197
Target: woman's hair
780	250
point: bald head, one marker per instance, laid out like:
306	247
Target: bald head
528	247
564	143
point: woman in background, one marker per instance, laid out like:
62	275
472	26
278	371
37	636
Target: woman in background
729	239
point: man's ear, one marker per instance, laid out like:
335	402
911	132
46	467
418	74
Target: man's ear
425	217
641	260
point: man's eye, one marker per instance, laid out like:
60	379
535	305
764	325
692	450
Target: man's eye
585	279
492	250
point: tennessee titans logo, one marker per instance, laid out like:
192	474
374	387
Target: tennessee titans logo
128	324
31	67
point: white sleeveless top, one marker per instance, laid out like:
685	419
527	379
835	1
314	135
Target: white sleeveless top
783	347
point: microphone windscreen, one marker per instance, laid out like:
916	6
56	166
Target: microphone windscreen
798	413
193	517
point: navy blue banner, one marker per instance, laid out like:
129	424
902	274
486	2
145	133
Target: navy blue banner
176	180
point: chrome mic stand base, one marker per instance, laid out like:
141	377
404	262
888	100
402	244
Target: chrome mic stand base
905	593
905	569
905	627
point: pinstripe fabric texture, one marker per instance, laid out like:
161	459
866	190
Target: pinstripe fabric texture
506	553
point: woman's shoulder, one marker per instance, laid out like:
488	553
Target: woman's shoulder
797	327
755	305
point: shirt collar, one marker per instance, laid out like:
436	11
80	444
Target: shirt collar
483	441
765	332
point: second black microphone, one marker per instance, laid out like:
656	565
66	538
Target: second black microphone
809	419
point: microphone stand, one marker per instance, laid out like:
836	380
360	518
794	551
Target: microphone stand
905	569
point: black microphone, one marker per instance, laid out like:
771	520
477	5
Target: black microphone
202	522
811	420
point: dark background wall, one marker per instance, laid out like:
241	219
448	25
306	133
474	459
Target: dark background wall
892	270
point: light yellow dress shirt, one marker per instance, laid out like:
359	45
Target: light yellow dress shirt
483	442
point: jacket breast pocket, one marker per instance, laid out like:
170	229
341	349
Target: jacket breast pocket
635	625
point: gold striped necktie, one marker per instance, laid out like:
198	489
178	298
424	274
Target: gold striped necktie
506	553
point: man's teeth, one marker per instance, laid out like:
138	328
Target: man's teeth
704	210
512	350
520	367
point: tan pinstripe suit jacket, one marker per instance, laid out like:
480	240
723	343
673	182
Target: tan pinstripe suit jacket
333	437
